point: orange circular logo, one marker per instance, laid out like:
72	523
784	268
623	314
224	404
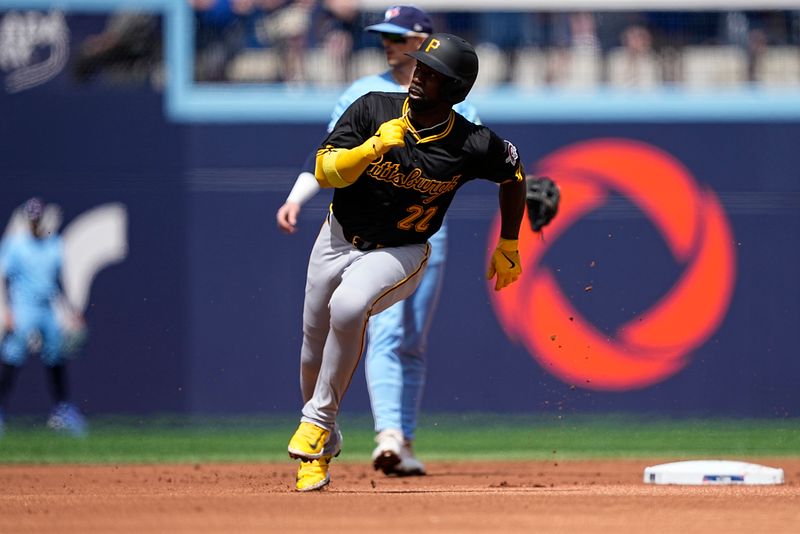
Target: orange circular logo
657	344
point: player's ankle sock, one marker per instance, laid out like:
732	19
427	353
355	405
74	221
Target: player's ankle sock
58	382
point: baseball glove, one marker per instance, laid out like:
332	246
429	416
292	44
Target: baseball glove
542	197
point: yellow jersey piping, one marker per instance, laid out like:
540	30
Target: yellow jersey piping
450	123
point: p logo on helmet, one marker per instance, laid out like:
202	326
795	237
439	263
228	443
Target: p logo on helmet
452	57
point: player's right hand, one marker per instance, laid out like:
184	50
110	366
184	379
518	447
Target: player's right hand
389	135
287	217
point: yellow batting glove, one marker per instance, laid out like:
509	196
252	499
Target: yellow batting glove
389	135
505	263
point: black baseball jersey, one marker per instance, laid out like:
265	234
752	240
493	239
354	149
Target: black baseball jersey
402	197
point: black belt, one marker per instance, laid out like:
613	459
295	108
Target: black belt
359	242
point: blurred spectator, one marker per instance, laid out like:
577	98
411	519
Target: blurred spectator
284	25
757	43
755	32
128	50
319	42
574	60
220	34
637	41
336	33
31	263
506	33
583	32
633	65
506	30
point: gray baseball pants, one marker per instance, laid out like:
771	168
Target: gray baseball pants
344	287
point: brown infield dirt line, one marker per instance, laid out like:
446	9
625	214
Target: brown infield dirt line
456	491
584	496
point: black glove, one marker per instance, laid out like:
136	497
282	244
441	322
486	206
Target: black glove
542	197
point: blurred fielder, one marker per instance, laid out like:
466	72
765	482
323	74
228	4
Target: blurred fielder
31	262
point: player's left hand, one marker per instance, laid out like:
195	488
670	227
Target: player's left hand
505	263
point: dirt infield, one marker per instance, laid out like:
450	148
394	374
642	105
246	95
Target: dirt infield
542	497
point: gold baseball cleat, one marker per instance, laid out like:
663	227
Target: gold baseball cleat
308	442
313	475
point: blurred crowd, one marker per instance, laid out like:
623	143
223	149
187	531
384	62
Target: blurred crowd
321	42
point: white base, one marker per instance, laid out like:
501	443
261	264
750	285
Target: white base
712	472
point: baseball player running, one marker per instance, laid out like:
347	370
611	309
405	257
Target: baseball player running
396	161
395	356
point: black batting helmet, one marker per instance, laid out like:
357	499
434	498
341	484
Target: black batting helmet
453	57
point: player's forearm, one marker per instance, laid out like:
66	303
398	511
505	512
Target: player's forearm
340	167
305	187
512	208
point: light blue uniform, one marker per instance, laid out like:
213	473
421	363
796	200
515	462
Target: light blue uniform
395	359
32	267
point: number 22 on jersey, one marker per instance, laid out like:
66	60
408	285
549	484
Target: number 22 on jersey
419	218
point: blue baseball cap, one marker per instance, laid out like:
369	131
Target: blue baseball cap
404	20
33	209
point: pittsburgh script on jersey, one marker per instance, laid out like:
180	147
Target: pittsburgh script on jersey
386	171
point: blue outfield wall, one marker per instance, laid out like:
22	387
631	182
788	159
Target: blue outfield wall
204	315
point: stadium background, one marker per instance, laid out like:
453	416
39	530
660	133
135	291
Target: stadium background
203	317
